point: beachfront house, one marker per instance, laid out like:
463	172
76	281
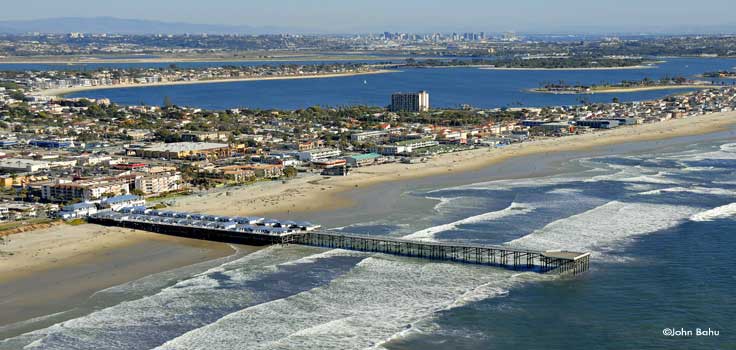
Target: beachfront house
118	202
77	210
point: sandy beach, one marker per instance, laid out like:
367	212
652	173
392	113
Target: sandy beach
65	91
311	193
55	269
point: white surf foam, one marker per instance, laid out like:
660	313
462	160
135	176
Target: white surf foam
725	152
379	298
695	189
443	202
722	212
429	234
176	307
600	228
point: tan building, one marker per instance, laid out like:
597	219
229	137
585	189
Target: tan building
64	191
232	173
184	150
265	170
159	182
204	136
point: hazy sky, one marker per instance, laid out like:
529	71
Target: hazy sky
401	15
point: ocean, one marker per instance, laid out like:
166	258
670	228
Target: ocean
448	87
657	216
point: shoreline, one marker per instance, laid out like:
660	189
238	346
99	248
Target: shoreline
60	92
625	90
317	193
57	269
580	68
53	270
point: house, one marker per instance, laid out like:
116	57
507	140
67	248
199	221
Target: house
77	210
118	202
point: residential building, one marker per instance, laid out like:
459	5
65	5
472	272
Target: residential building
202	136
269	171
231	173
368	136
64	191
77	210
151	184
410	102
321	153
118	202
403	147
184	150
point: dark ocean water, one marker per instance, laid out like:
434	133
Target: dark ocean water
448	87
659	222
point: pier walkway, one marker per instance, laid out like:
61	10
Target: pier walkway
261	231
558	262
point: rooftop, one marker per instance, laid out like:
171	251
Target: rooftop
365	156
184	146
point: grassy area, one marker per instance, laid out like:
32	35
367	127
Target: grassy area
76	222
16	224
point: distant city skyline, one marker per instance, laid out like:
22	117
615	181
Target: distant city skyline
339	16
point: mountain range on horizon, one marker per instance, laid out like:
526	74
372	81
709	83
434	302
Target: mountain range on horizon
114	25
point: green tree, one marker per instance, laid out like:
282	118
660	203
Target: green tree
290	172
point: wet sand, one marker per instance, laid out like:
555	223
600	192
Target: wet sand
49	271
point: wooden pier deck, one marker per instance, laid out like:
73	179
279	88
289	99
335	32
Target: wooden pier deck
226	229
557	262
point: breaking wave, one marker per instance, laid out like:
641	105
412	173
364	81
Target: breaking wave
722	212
429	234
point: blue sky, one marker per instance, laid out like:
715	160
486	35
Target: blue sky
402	15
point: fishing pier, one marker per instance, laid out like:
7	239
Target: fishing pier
261	231
560	262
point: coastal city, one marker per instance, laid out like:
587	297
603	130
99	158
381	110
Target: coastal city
385	175
70	157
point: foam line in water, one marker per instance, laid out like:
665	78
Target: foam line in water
376	300
600	228
722	212
695	189
429	234
153	319
443	202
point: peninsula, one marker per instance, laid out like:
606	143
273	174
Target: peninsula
645	84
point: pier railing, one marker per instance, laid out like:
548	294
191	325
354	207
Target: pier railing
558	262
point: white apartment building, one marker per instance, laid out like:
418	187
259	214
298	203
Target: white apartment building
321	153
